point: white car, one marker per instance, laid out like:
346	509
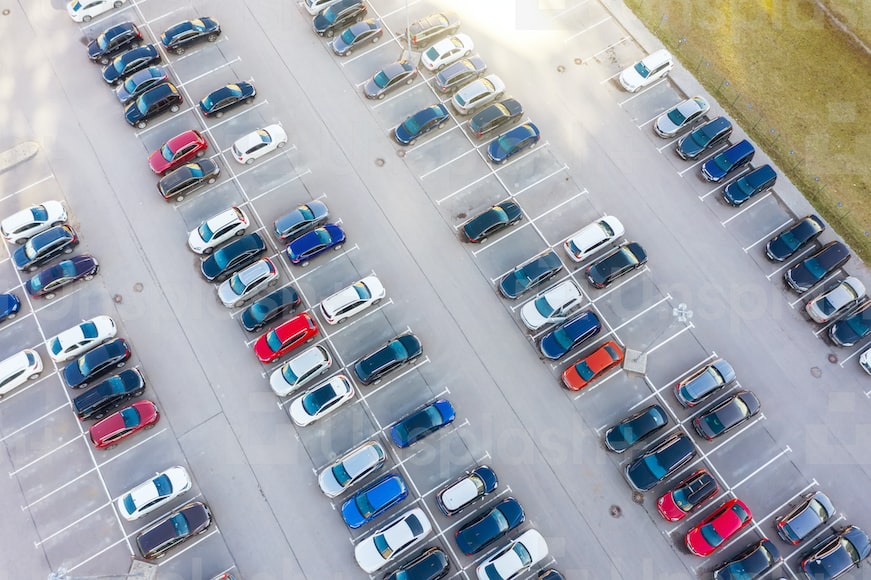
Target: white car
393	541
351	468
355	298
477	94
245	283
552	305
647	71
218	229
315	6
81	338
321	400
24	224
18	369
680	117
826	306
519	556
300	370
154	493
865	360
593	238
85	10
258	143
447	51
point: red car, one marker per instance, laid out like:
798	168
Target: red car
726	521
177	151
587	370
687	496
138	416
285	337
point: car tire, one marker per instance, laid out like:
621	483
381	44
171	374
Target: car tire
375	302
212	37
409	81
11	316
341	320
410	143
104	60
347	52
309	340
358	18
117	4
33	377
240	233
249	101
99	415
49	296
201	152
381	96
239	304
179	198
249	161
219	114
147	427
142	124
89	277
208	251
179	51
304	264
112	446
212	180
328	33
442	124
337	247
173	109
31	268
68	250
121	364
273	282
281	144
87	18
376	39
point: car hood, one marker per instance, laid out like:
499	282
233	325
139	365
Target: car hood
371	89
9	304
630	79
226	294
72	375
320	23
93	49
20	258
801	276
640	475
110	73
668	508
132	113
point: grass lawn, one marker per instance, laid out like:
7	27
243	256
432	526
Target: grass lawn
795	83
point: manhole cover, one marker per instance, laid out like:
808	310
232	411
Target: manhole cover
118	298
138	287
6	12
616	511
379	162
638	497
560	68
400	153
816	372
462	215
833	358
579	61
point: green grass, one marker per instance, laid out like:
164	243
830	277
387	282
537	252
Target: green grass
796	84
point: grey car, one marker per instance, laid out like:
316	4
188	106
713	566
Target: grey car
351	468
459	73
389	78
304	218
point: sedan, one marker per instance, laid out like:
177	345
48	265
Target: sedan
300	370
152	103
245	283
45	246
530	274
705	382
560	341
47	282
732	412
749	185
26	223
721	165
320	400
431	564
85	10
338	15
801	521
389	78
372	501
112	41
512	142
398	352
593	238
490	221
704	138
351	468
368	30
25	365
304	218
750	564
528	549
680	117
259	143
717	528
852	329
285	337
418	424
179	526
836	554
659	462
791	240
460	73
421	123
447	51
490	527
181	36
307	246
551	306
355	298
219	101
807	273
634	428
107	433
429	28
469	488
626	258
495	116
177	151
477	94
218	229
232	257
130	62
838	299
96	362
587	370
10	304
81	338
140	82
393	541
154	494
687	496
268	308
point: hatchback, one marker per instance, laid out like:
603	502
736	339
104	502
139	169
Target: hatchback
221	100
552	305
634	428
477	94
420	123
495	116
258	143
850	330
560	341
140	82
338	15
355	298
398	352
429	28
43	247
752	563
593	367
130	62
460	73
836	554
190	176
351	468
512	142
300	220
81	338
112	41
179	526
285	337
301	250
490	527
791	240
807	273
700	385
107	433
646	71
389	78
749	185
704	138
181	36
300	370
838	298
530	274
320	400
814	511
510	561
593	238
431	564
626	258
152	103
393	541
241	286
96	362
687	496
47	282
372	501
723	164
680	117
725	416
659	462
232	257
85	10
469	488
177	151
368	30
218	229
490	221
154	493
268	308
447	51
422	422
718	527
19	368
26	223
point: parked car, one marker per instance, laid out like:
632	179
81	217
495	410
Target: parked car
393	541
258	143
521	554
619	262
572	333
181	36
680	117
791	240
687	496
233	257
724	164
372	501
266	309
429	28
177	151
348	301
704	138
460	73
389	78
25	365
221	100
154	493
179	526
552	305
852	329
750	564
584	371
152	103
749	185
81	338
10	304
112	41
285	337
477	94
320	400
302	249
236	290
495	116
338	15
129	62
659	462
107	433
700	385
804	519
422	422
300	370
490	527
530	274
718	527
315	6
734	411
806	274
110	394
398	352
216	230
302	219
351	468
368	30
421	123
469	488
634	428
447	51
512	142
492	220
865	360
837	299
44	247
835	555
96	363
47	282
85	10
431	564
646	71
550	574
26	223
140	82
593	238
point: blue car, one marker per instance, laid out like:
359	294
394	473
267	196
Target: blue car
369	503
9	306
721	165
750	184
474	537
513	141
314	243
44	246
96	362
129	62
138	83
559	341
422	422
420	123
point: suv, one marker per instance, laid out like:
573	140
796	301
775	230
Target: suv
732	159
152	103
704	138
112	41
750	184
186	178
96	403
429	28
337	16
646	71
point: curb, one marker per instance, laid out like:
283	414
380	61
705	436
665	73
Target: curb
18	154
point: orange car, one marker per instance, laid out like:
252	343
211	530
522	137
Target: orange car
587	370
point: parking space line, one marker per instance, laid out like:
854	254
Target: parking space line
702	159
100	553
212	71
639	93
656	390
767	236
443	165
792	260
810	290
156	18
850	356
587	29
651	120
450	479
369	312
513	229
812	540
704	196
611	374
41	541
227	118
744	209
349	59
410	369
689	325
26	187
562	13
44	455
667	145
409	87
622	283
795	496
465	187
780	454
189	546
96	21
746	426
542	180
37	420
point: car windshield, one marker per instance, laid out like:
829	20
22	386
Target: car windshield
341	475
507	142
522	553
459	98
858	325
681	500
676	117
77	6
432	53
316	400
323	236
745	187
166	152
412	125
364	505
653	465
348	36
89	329
237	285
814	267
723	162
382	546
119	65
273	341
584	370
102	42
130	85
55	347
205	232
180	523
289	375
129	504
67	269
330	14
39	213
381	79
714	423
163	485
627	431
362	291
700	138
563	338
398	350
789	239
142	105
710	535
500	520
851	550
130	416
30	250
641	69
544	307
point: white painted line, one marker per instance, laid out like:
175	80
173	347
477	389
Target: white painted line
545	178
667	145
782	452
745	208
513	228
445	164
587	29
465	187
606	49
641	92
26	187
688	326
37	420
767	236
792	261
44	455
209	72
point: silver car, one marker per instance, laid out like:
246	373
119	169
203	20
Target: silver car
680	117
552	305
477	94
242	285
300	370
825	307
350	468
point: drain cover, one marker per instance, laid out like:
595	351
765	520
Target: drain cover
379	162
816	372
616	511
638	497
833	358
118	298
138	287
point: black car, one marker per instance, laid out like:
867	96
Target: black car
723	164
337	16
785	244
48	281
528	275
751	563
110	394
182	524
634	428
396	353
836	554
621	261
727	415
750	184
96	362
495	116
490	221
431	564
130	62
704	138
477	535
218	101
232	257
139	82
268	308
112	41
805	518
151	103
188	177
804	275
659	462
181	36
44	246
850	330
